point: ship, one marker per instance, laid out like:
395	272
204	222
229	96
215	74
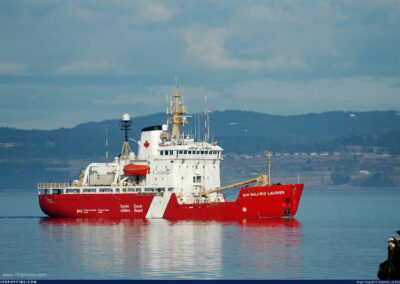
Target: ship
173	175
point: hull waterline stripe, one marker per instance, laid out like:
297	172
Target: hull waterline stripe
158	206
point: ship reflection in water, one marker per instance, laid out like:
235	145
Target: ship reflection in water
163	249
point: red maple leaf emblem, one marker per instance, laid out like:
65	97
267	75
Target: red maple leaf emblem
146	144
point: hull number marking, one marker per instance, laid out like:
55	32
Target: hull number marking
85	211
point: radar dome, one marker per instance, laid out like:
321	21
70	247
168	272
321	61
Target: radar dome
126	117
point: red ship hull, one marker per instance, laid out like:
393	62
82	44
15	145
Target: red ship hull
252	202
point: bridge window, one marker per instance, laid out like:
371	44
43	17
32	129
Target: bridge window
184	152
197	179
89	190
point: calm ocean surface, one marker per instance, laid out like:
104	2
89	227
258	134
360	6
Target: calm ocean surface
337	234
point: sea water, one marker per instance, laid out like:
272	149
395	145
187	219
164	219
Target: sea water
337	234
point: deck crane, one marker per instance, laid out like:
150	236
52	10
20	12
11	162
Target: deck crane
261	180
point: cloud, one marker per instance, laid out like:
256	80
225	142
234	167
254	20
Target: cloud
300	39
206	46
277	56
87	67
124	12
97	102
264	14
152	13
291	97
88	15
10	68
247	42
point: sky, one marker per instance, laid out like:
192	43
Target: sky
67	62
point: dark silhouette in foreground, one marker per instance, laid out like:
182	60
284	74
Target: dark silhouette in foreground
390	268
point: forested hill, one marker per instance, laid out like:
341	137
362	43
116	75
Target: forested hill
236	131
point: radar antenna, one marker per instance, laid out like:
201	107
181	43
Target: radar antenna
125	124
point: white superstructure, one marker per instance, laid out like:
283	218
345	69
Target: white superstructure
166	162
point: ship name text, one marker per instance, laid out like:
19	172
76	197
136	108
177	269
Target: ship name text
263	193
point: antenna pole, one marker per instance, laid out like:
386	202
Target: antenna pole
198	127
205	120
208	121
269	167
195	127
106	143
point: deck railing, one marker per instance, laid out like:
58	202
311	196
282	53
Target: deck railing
53	185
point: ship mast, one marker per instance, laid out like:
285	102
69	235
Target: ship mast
177	110
125	126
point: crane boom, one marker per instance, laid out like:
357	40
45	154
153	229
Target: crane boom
261	181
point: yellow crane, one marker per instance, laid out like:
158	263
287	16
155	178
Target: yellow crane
262	180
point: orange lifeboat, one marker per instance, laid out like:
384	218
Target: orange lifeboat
136	170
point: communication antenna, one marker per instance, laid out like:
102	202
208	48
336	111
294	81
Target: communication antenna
195	127
106	142
176	82
206	122
198	126
168	103
269	167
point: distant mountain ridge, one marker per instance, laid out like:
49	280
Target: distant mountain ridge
236	131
